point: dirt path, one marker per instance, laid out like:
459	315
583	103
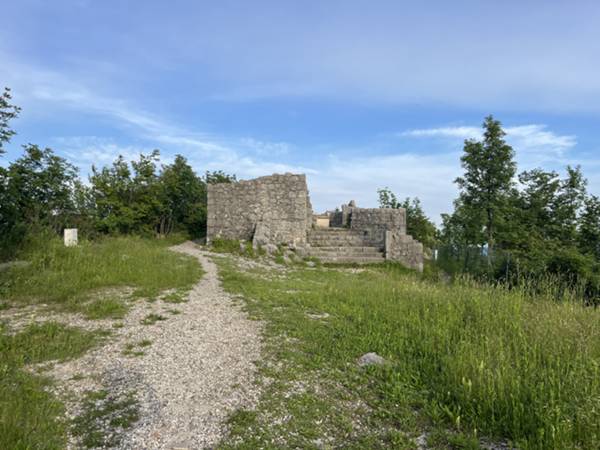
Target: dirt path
198	368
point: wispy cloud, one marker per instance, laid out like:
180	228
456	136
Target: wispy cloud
532	138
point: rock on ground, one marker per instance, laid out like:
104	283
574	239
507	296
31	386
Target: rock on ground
370	359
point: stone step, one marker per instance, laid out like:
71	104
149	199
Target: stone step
353	259
334	230
339	243
367	251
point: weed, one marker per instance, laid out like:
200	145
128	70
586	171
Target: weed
112	308
175	297
152	318
104	419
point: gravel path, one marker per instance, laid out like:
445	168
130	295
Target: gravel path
198	369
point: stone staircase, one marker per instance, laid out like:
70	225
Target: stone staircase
342	245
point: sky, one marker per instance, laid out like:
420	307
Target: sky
359	95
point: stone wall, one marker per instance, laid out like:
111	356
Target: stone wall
403	248
273	209
375	221
384	228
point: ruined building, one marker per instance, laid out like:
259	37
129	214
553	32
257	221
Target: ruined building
276	210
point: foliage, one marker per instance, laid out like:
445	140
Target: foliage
184	196
36	193
589	228
468	359
7	113
218	176
488	179
418	224
501	231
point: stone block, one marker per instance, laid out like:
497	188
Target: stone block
70	236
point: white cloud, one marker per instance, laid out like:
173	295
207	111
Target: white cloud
453	132
531	142
429	177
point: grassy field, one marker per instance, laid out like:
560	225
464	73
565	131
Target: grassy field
88	279
465	363
84	278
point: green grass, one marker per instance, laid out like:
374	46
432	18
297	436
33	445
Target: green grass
130	348
152	318
236	247
70	278
113	308
102	411
88	279
465	362
30	417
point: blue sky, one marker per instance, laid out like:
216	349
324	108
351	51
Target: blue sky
356	94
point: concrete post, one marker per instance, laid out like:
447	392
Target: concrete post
70	237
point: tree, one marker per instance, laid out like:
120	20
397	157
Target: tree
218	176
37	193
184	193
487	183
418	224
129	199
7	113
112	193
387	199
589	227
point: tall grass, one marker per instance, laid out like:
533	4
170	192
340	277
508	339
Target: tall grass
485	360
69	275
31	417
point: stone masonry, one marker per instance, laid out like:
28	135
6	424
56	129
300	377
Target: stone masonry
276	210
273	209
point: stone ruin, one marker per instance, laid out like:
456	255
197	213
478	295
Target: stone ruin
276	209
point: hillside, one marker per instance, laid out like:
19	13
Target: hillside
113	344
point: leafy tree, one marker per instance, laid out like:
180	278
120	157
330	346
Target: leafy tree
488	179
37	193
112	193
589	227
128	197
387	199
185	198
7	113
218	176
418	224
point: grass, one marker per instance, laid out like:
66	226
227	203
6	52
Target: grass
102	412
89	279
465	362
113	308
69	278
31	417
236	247
152	318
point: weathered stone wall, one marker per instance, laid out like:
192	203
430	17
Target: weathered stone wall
386	229
376	221
403	248
277	207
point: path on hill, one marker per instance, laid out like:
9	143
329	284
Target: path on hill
198	368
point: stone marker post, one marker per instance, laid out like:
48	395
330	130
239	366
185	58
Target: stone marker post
70	237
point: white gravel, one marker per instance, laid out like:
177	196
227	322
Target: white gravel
199	368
